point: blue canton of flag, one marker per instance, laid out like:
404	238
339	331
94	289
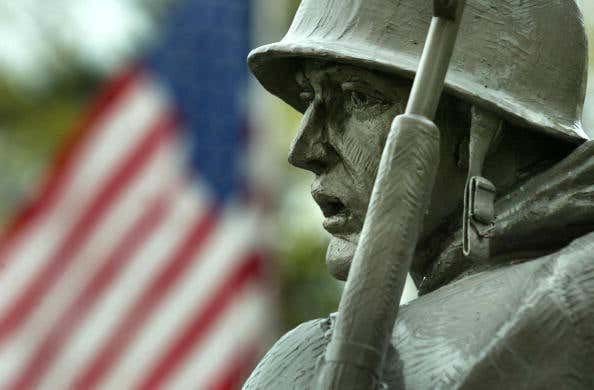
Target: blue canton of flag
202	60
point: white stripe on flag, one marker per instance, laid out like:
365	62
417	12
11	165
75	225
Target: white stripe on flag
216	262
157	175
105	316
131	120
242	327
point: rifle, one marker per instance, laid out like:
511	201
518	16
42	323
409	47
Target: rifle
355	356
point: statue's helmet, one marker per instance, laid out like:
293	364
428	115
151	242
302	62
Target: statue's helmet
523	59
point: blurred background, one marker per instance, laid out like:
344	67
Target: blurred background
56	57
54	60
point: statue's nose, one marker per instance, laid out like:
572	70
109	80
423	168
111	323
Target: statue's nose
310	149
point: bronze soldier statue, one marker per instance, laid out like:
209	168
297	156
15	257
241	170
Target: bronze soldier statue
503	249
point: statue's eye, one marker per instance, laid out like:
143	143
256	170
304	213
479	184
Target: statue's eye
359	99
306	97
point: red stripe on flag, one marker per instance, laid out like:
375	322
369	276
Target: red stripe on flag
64	165
110	353
118	259
236	372
191	336
76	237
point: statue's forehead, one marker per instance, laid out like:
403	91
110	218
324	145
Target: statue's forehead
315	70
321	74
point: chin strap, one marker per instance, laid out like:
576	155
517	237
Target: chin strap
479	194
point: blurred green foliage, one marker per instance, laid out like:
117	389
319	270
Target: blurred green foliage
307	290
33	126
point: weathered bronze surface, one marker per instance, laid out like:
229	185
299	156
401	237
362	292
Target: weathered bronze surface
522	314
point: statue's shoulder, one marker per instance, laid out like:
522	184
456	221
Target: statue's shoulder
291	362
573	284
492	330
551	330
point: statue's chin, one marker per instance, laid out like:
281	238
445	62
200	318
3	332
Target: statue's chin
339	257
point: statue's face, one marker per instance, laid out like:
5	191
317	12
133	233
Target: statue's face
341	139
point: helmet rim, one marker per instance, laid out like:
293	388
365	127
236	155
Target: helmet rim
275	67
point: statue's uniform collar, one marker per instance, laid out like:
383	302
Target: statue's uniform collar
539	217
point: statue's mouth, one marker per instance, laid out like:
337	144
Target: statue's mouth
339	219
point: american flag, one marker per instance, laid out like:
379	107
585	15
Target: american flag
139	264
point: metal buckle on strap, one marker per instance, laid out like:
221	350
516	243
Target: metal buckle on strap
482	200
479	216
